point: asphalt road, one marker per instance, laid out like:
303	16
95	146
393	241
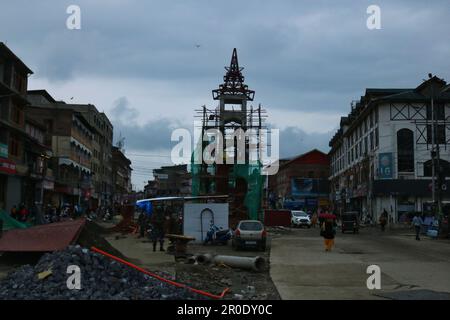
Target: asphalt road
301	269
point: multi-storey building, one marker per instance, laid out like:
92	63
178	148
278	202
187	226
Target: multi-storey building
173	181
381	154
101	161
71	139
301	182
13	166
39	183
121	167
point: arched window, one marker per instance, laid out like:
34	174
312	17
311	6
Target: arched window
405	150
428	168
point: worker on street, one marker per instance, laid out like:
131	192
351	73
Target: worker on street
157	230
142	222
383	219
417	223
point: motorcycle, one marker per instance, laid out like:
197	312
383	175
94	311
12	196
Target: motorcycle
217	235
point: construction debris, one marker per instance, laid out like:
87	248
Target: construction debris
101	278
250	263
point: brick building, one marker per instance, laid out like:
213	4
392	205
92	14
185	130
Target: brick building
301	182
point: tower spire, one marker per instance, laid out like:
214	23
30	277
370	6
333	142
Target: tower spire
234	81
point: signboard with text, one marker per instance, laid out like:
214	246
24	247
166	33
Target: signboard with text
3	150
385	166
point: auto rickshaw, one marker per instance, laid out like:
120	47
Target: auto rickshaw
349	222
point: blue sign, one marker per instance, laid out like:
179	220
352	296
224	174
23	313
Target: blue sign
385	166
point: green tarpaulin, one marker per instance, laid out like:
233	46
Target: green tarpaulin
11	223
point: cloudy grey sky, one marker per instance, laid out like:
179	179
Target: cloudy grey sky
306	60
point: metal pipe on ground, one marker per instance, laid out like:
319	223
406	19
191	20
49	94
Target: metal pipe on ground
192	260
253	263
205	258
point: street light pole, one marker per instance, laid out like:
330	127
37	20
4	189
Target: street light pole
433	152
435	158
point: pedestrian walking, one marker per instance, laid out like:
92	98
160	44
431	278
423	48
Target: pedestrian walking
23	213
417	223
328	232
383	219
142	222
314	220
157	230
14	212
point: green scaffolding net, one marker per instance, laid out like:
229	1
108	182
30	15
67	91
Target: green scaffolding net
205	182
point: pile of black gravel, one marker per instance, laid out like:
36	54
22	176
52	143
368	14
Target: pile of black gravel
101	279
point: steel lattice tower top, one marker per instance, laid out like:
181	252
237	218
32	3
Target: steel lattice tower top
233	82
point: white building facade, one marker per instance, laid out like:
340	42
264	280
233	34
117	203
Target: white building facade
381	155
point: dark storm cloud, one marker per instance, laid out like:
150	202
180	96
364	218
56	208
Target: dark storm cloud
294	141
303	55
153	135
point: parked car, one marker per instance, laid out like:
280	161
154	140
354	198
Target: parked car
300	218
349	222
249	233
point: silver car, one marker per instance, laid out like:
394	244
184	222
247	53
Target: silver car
250	233
300	218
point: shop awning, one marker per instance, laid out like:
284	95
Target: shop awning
70	162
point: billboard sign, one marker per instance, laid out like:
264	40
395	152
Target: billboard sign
385	166
3	150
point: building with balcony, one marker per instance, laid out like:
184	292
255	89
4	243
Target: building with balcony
121	167
39	183
13	164
71	139
101	160
381	154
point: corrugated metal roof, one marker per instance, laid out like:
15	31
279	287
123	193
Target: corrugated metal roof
48	237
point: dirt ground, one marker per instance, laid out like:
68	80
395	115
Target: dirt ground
243	284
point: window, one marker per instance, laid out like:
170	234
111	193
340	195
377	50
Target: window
439	112
366	145
48	125
371	117
16	115
371	140
405	150
376	137
439	134
428	168
14	148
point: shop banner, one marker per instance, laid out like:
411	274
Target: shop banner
3	150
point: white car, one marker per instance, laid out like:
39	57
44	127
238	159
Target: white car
250	233
300	218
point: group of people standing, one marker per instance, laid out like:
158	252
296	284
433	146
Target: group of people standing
155	226
20	213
